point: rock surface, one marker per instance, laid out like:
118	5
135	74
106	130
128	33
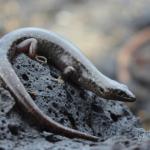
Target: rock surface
69	105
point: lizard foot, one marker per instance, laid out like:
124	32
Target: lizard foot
41	59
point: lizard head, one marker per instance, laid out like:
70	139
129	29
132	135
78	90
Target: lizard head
120	92
113	90
107	88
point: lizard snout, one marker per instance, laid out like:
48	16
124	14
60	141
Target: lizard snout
124	94
121	94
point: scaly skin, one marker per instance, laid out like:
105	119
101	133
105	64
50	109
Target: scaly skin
68	59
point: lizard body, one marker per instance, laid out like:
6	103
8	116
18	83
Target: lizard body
67	58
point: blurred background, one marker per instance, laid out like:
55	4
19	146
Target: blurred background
114	35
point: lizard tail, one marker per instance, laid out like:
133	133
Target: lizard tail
14	84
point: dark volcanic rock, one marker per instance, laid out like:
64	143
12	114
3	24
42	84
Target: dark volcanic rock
69	105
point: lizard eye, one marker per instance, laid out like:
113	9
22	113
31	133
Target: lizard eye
101	90
121	93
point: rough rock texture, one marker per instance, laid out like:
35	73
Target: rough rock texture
69	105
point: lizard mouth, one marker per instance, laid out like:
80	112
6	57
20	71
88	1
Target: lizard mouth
128	99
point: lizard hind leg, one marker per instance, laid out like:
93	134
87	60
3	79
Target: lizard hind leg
28	46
